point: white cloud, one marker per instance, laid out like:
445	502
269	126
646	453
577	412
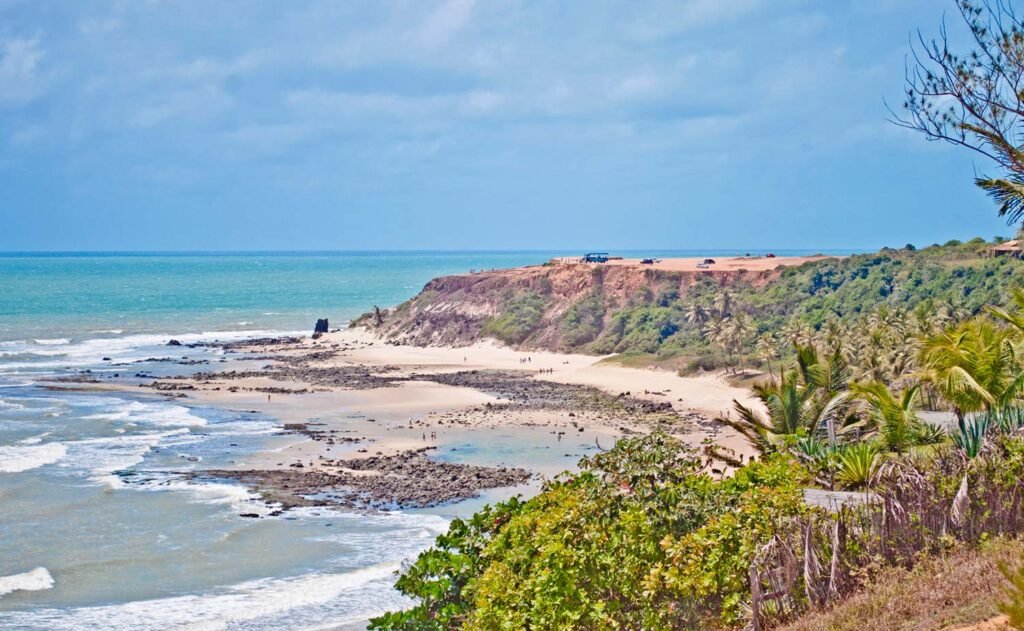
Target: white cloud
337	107
202	103
482	102
99	26
19	77
686	15
638	86
445	22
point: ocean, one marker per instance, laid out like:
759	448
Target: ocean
100	529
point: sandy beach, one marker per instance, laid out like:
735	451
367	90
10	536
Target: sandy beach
349	396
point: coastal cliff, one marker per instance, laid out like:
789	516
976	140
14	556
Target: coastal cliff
554	306
707	315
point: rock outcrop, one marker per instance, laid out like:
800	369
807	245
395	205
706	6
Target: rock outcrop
321	326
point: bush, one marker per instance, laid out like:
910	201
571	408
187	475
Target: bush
583	322
520	317
610	547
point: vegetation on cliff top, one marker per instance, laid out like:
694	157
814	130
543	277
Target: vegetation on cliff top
712	326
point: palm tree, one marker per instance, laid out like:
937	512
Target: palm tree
768	348
807	399
698	316
723	304
1014	319
973	366
893	417
797	333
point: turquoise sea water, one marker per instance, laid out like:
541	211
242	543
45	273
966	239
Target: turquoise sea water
45	296
98	527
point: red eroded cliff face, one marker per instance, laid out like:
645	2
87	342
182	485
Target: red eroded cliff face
528	307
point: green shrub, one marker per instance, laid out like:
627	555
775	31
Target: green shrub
609	547
583	322
520	316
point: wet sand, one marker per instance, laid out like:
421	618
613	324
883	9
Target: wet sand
456	420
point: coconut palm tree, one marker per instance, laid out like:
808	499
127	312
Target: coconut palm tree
1015	319
767	347
893	416
698	316
809	398
798	333
723	304
973	366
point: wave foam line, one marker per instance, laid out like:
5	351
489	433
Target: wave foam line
31	581
18	458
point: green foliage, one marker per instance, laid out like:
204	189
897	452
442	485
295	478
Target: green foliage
845	290
440	576
972	366
583	322
894	416
929	435
639	538
639	329
970	435
519	318
858	463
707	568
808	398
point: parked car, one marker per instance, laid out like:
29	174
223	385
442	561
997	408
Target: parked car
709	261
647	261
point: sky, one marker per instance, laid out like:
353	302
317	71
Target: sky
462	124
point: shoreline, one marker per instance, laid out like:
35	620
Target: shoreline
505	418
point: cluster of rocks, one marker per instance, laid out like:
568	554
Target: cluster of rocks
329	436
406	480
257	342
163	386
348	377
520	391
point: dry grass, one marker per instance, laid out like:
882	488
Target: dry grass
956	589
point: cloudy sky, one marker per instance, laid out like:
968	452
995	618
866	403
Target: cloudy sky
462	124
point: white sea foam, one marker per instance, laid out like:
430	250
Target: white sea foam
294	603
34	440
102	456
237	497
314	601
53	342
33	580
158	414
18	458
61	353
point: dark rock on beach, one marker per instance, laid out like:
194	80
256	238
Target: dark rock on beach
406	480
321	326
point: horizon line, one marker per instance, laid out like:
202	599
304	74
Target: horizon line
760	249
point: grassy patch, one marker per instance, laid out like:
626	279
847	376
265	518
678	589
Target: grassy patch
961	587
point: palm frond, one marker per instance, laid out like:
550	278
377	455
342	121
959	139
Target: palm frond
1008	194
